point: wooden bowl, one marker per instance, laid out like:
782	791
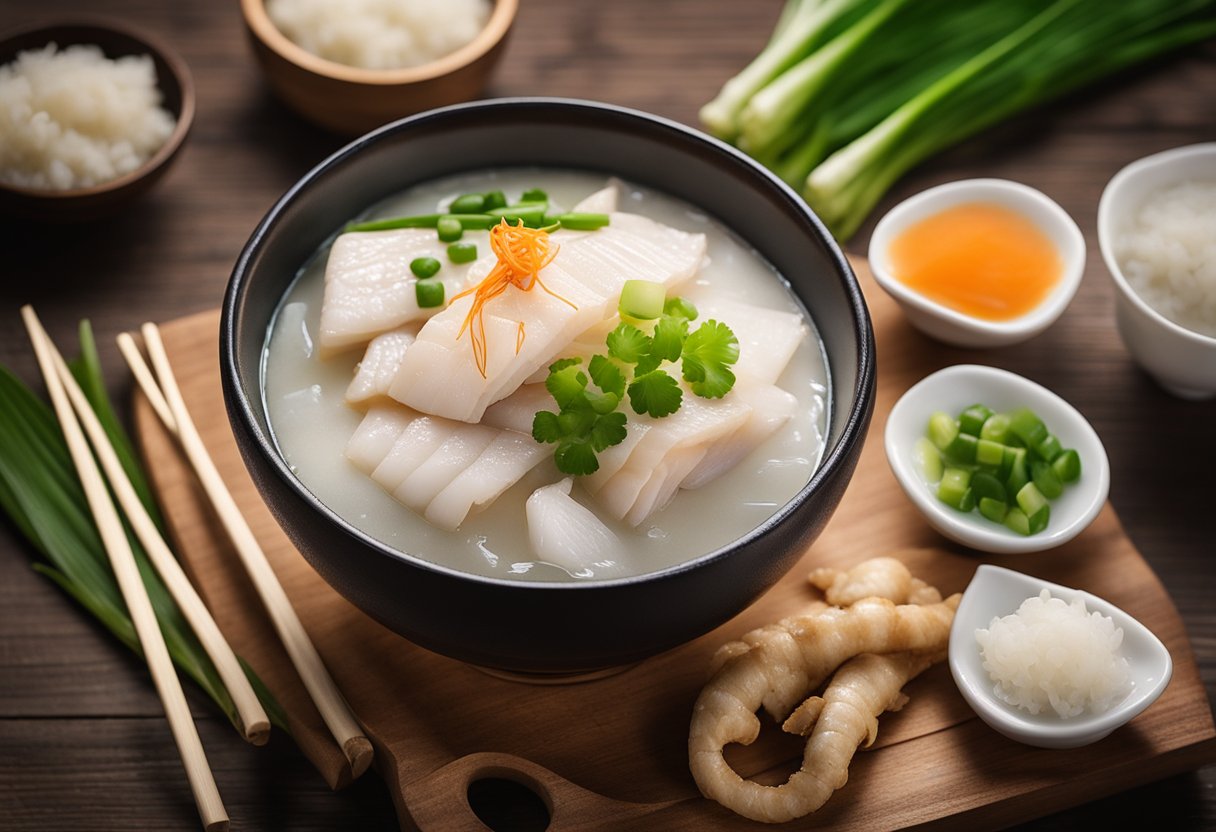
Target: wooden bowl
351	100
177	91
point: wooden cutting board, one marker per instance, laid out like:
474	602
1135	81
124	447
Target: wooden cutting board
610	753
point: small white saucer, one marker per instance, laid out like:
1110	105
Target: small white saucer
994	592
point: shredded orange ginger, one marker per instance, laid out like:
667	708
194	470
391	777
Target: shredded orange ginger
522	253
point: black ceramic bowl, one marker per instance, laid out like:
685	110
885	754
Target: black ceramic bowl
511	624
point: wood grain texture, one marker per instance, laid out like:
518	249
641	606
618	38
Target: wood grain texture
618	743
63	677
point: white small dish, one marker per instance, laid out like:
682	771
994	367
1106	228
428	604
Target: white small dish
1181	360
954	327
995	592
953	390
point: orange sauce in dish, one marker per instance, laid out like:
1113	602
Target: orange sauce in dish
978	258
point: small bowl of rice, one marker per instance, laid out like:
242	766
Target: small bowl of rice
352	65
1158	238
1051	666
91	116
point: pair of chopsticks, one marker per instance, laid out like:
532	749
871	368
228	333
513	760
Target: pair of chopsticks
73	410
166	399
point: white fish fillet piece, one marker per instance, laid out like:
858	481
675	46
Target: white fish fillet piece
421	438
613	459
369	287
698	422
376	434
438	375
768	338
502	464
566	533
517	410
603	201
772	408
455	454
380	363
664	483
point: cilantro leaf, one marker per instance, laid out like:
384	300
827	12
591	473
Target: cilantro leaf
607	375
706	359
563	363
628	343
680	308
668	339
648	363
576	458
602	402
567	385
608	430
656	393
545	427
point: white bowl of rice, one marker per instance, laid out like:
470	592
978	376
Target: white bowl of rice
1157	233
1051	666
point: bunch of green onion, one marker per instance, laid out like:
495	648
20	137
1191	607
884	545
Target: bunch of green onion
41	494
850	94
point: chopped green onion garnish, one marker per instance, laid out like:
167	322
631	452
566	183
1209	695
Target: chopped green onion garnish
962	448
1067	466
642	299
462	252
468	204
942	430
429	293
994	510
449	228
986	485
1036	507
929	459
1049	448
1046	479
988	452
534	195
467	221
583	221
530	214
1016	521
996	429
1027	426
424	267
955	488
971	420
494	199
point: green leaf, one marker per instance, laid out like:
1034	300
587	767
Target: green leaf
602	402
680	308
628	343
609	430
656	394
545	427
567	386
607	375
563	363
707	354
668	339
576	423
576	458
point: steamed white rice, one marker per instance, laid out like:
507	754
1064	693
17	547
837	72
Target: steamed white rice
1054	656
380	34
1168	254
73	118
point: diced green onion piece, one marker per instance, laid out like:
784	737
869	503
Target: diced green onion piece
493	200
642	299
962	448
988	452
534	195
462	252
971	421
986	485
1046	479
468	204
530	214
1016	521
467	221
996	429
429	293
424	267
1032	501
1049	448
583	221
1067	466
942	429
955	488
929	459
1027	426
994	510
449	228
1019	471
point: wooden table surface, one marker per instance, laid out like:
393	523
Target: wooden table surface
83	741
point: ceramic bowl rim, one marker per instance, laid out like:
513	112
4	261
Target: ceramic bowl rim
263	28
951	193
835	458
991	537
154	46
1177	156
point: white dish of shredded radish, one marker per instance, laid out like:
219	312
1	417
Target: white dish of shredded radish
1049	665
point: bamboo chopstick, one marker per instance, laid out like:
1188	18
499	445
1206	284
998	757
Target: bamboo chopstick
202	783
254	723
303	653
